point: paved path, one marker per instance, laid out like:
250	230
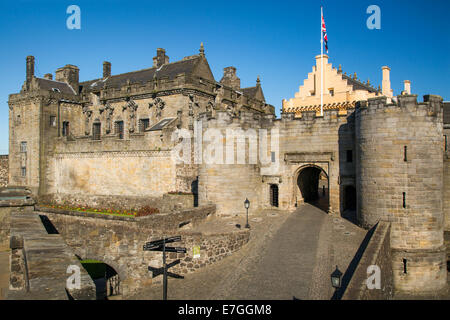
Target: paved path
4	272
289	255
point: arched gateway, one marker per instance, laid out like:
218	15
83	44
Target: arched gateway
312	186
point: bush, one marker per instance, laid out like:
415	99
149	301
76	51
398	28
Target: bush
146	211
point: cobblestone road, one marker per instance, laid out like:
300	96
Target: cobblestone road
289	255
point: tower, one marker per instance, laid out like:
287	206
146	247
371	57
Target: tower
400	179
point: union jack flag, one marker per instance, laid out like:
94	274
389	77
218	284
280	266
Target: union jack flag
324	33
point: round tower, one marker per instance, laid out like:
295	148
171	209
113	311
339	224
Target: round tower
399	150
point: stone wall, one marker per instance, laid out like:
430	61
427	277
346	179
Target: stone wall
446	191
165	203
400	180
119	243
377	253
316	141
4	165
40	262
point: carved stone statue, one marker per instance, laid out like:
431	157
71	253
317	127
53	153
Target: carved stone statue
132	107
159	105
109	112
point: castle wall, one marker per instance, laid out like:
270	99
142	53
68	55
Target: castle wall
4	170
446	194
315	141
25	126
405	191
229	184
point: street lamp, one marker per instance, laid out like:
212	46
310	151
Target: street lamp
336	277
247	205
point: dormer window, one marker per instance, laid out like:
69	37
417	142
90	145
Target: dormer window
56	90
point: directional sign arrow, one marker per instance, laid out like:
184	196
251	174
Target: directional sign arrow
166	240
176	249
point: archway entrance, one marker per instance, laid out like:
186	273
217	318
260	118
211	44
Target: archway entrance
314	187
349	204
105	278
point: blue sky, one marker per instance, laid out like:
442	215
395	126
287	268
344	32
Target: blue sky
274	39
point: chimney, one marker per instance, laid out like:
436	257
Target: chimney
70	75
30	69
230	78
386	83
407	84
48	76
106	69
160	58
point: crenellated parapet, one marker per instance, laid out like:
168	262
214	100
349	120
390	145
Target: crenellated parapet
431	105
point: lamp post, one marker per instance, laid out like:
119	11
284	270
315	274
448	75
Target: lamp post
336	278
247	205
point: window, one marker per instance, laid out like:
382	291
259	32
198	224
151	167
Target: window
23	146
65	128
405	153
332	92
96	130
143	124
272	155
23	171
118	128
53	121
405	269
404	199
56	90
445	142
349	155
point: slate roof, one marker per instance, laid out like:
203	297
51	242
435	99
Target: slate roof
357	85
251	92
170	70
49	85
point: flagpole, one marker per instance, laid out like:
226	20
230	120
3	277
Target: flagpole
321	61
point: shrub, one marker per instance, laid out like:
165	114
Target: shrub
146	211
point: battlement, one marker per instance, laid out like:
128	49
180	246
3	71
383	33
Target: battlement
432	104
312	117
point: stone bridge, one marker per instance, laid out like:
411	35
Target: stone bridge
116	241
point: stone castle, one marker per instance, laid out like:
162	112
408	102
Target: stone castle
114	141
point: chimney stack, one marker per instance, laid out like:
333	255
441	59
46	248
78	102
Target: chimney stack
70	75
160	58
386	83
106	69
407	84
30	69
230	78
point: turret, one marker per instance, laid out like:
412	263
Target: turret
399	174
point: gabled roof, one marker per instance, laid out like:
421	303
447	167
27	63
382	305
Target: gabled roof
254	92
53	85
170	70
357	85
